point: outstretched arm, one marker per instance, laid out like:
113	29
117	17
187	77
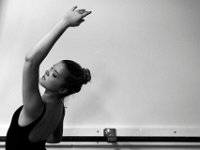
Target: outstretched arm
74	17
32	101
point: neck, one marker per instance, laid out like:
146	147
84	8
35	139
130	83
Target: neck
51	97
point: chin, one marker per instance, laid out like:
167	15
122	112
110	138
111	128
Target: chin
41	82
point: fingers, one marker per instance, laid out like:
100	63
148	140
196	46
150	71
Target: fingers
82	20
81	11
73	8
86	13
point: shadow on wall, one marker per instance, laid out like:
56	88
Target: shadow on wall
102	87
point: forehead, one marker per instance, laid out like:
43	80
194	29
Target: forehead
61	69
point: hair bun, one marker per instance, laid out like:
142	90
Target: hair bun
86	75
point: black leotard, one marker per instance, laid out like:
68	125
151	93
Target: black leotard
17	136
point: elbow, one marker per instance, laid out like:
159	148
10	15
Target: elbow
31	61
28	58
54	140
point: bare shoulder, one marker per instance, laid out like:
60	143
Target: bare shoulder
25	118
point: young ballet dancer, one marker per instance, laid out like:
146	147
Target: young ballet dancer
40	118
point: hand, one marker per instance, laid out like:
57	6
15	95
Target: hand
74	17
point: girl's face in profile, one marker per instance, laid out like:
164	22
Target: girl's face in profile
54	78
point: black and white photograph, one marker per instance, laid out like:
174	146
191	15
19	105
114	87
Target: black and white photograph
100	74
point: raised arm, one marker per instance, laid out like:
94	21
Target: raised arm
32	101
71	19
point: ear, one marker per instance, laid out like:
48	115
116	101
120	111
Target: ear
63	91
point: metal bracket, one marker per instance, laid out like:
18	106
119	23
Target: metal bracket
111	135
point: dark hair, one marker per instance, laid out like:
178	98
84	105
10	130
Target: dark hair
76	78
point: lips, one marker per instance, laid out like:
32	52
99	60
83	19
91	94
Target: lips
46	74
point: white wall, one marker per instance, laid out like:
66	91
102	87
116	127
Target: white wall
143	55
